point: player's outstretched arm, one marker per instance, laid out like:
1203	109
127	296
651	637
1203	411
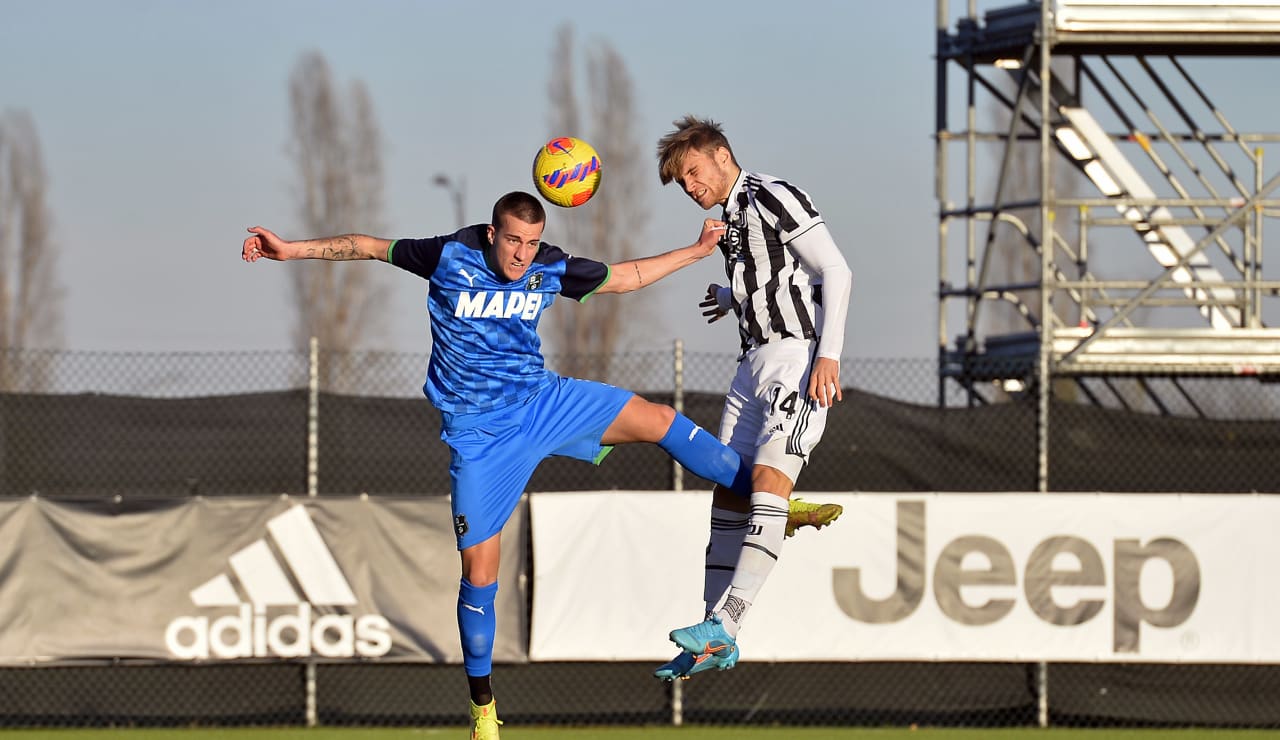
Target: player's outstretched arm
263	242
625	277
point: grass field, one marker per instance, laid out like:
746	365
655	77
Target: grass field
645	733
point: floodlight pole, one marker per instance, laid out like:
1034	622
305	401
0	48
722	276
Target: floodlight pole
457	192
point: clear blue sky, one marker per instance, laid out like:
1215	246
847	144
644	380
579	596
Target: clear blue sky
164	126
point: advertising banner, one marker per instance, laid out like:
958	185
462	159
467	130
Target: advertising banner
211	579
957	577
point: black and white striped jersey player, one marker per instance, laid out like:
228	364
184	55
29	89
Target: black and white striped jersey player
789	286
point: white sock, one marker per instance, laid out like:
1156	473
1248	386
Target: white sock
760	550
727	530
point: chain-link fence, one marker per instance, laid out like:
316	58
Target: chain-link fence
247	423
76	424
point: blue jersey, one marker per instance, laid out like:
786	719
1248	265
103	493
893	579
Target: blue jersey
486	352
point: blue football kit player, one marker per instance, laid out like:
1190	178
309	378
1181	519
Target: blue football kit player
502	411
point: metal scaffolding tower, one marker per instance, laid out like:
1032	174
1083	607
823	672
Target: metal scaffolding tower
1132	206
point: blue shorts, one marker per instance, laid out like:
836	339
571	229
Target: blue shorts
495	452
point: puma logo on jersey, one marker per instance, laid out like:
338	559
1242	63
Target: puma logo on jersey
498	305
471	279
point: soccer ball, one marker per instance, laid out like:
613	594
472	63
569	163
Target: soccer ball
566	171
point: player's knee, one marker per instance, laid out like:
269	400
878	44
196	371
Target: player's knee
665	416
480	562
776	469
481	578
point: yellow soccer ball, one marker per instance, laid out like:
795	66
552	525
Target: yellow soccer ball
566	171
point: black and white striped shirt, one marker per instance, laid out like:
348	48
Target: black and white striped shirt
775	295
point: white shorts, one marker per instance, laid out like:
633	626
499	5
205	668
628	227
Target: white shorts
767	416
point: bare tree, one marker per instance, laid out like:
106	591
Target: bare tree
337	148
610	225
30	297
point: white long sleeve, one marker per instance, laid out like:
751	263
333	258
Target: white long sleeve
818	252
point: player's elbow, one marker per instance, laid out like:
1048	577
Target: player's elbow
837	273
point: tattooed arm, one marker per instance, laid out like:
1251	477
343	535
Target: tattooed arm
625	277
264	243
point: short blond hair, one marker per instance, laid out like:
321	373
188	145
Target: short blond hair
702	134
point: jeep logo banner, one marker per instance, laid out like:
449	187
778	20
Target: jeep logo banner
1005	577
240	578
979	561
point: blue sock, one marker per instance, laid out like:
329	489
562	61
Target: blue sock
476	625
704	456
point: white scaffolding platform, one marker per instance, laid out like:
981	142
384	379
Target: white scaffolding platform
1082	85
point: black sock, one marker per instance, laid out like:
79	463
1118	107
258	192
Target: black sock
481	690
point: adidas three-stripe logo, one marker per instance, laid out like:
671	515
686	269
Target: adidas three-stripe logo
266	584
259	627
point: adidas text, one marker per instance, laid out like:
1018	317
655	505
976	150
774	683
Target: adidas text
291	634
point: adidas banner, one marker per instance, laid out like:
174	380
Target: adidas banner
210	579
961	577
